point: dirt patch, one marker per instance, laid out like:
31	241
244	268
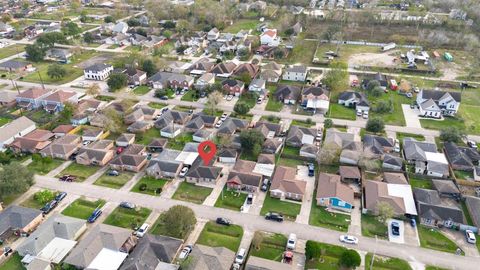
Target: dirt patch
102	58
387	59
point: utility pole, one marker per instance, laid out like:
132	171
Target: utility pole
41	80
374	251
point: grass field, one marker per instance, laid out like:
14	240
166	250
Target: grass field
401	136
302	53
189	96
271	247
141	90
302	123
441	124
31	202
243	24
152	185
289	210
386	263
179	142
328	260
82	208
341	112
417	182
231	199
215	235
156	105
82	172
11	50
4	120
13	263
395	117
128	218
344	50
43	168
114	181
433	239
191	193
158	228
371	227
320	217
273	104
147	136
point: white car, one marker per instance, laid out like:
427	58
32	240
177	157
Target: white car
229	97
470	237
365	115
349	239
142	230
183	172
292	241
219	123
359	112
224	116
185	252
396	148
240	258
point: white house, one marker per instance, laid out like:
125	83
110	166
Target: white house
295	73
121	27
17	128
270	37
434	103
213	34
355	100
98	72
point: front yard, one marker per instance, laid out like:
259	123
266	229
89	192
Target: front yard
289	210
341	112
231	199
43	166
38	202
371	227
273	104
149	185
82	172
13	263
326	261
442	124
271	247
128	218
190	96
320	217
215	235
141	90
434	239
395	117
82	208
114	181
191	193
386	263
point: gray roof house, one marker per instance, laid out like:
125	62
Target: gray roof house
208	258
298	136
461	158
170	116
377	145
199	121
434	211
354	99
268	130
288	94
342	140
164	168
232	125
391	162
16	217
473	207
415	150
446	188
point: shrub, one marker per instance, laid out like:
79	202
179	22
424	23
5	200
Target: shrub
375	125
142	187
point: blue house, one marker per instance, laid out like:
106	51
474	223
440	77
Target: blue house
32	98
334	194
55	102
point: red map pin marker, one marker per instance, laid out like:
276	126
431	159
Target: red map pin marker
207	150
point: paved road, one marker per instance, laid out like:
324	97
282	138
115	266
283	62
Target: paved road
255	222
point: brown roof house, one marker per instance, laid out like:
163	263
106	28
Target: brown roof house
62	130
246	68
398	196
332	193
63	147
56	101
98	153
132	159
32	98
206	258
32	142
7	98
242	177
125	139
286	185
350	173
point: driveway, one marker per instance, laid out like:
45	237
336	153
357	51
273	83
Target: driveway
411	116
396	238
459	238
302	173
355	227
411	235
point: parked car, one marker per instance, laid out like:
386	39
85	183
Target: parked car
67	178
96	214
224	116
413	222
164	97
416	89
60	196
240	258
472	144
85	143
223	221
274	216
219	123
470	237
49	207
164	110
250	198
185	252
113	173
127	205
311	169
349	239
265	185
119	150
142	230
359	112
395	228
396	148
292	241
259	100
409	95
7	250
183	172
229	97
365	115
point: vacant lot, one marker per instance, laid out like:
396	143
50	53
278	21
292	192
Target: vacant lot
128	218
191	193
215	235
302	53
271	247
82	208
82	172
341	112
152	185
395	116
114	181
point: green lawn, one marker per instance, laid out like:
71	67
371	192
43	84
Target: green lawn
141	90
271	247
158	228
114	181
82	208
329	259
242	24
247	155
320	217
344	51
417	182
82	172
290	162
4	120
289	210
395	117
13	263
290	150
470	115
302	123
44	167
11	50
31	202
441	124
302	52
271	119
433	239
147	136
189	96
104	98
371	227
230	199
191	193
248	98
215	235
156	105
273	104
463	175
134	48
128	218
467	213
431	267
386	263
401	136
179	142
341	112
152	185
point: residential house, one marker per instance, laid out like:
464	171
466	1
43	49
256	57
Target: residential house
136	76
14	66
213	34
395	178
17	219
32	142
227	155
224	70
202	66
295	73
170	118
350	174
341	140
473	206
53	239
139	127
271	72
16	128
59	55
232	125
398	196
334	194
141	113
63	147
8	99
204	257
425	157
202	135
382	79
125	140
203	174
132	159
461	158
153	252
62	130
200	121
171	131
272	145
120	27
377	145
243	178
180	81
309	151
157	145
98	153
267	129
257	263
270	38
178	67
265	165
98	72
164	168
393	163
316	98
288	94
258	86
32	98
206	80
91	134
298	136
55	102
104	247
5	28
233	87
246	68
355	100
286	185
447	188
435	103
435	211
85	112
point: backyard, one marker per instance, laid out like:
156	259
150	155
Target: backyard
231	199
147	136
320	217
179	142
417	182
302	53
190	193
386	263
151	184
271	247
82	208
114	181
128	218
371	227
82	172
289	210
434	239
215	235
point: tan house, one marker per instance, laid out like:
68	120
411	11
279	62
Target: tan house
98	153
63	147
132	159
242	177
32	142
286	185
332	193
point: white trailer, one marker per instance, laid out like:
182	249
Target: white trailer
389	46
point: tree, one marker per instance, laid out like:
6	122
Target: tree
109	19
71	29
383	106
376	91
133	22
169	25
350	259
44	196
331	32
117	81
279	53
67	112
312	250
48	40
167	34
329	154
245	77
149	67
178	221
385	211
241	108
6	18
160	93
213	100
251	141
372	84
257	240
337	77
35	53
14	179
88	37
56	71
328	123
375	125
93	90
112	120
451	134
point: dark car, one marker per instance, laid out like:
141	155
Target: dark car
223	221
49	207
68	178
413	222
311	169
96	213
395	228
164	98
60	196
7	250
274	216
164	110
250	198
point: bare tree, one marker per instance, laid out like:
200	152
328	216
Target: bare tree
368	160
212	102
385	211
93	90
329	154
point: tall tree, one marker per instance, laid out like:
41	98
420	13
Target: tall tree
213	100
117	81
179	220
350	259
149	67
385	211
56	71
14	179
35	53
251	141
